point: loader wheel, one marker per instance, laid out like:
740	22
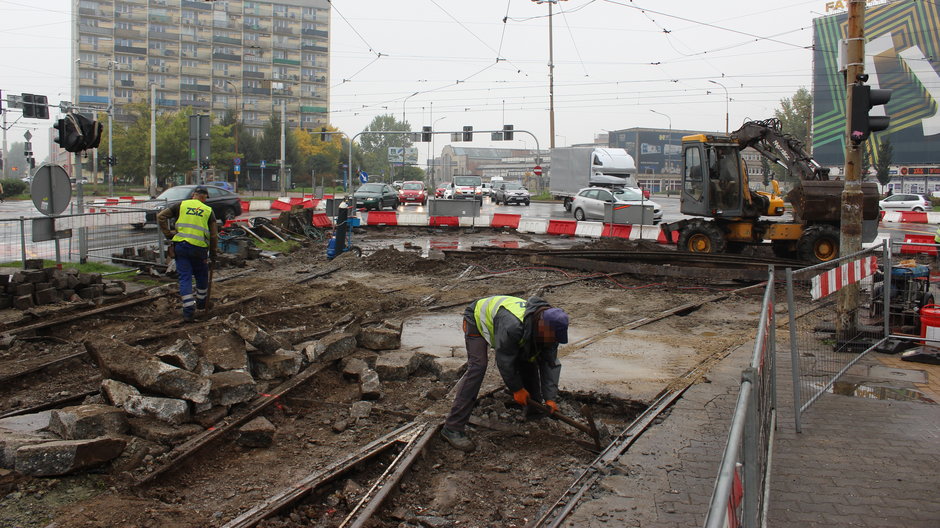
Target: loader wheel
819	243
702	237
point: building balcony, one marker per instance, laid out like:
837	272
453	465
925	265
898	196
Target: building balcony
256	27
315	33
95	99
284	31
204	6
92	30
130	49
160	19
129	33
290	62
195	104
308	47
257	91
226	57
167	102
227	40
125	83
159	35
313	109
253	75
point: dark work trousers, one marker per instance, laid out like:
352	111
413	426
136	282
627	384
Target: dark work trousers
469	386
190	263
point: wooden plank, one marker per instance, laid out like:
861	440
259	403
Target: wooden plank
82	315
63	359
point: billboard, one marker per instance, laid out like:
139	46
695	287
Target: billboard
902	53
655	151
400	155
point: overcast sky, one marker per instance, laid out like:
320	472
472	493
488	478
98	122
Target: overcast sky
484	63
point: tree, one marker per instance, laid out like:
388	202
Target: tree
883	162
375	146
321	157
796	116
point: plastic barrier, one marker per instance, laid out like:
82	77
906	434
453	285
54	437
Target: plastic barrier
907	249
505	220
440	221
562	227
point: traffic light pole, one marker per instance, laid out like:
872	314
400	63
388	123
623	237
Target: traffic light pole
851	220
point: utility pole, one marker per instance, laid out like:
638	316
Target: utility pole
153	140
551	73
851	220
6	159
110	128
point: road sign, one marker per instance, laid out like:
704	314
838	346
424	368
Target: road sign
537	170
28	135
238	167
238	161
51	190
264	164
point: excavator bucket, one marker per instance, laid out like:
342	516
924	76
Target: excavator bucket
821	201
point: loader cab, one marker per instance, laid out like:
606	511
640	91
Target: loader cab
711	178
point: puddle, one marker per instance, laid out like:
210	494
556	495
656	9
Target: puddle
708	334
440	335
860	390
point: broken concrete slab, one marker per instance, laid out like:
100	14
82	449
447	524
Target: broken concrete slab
180	354
398	365
284	364
360	409
10	441
66	456
370	387
446	369
170	410
118	393
352	367
88	421
332	347
26	423
132	365
162	432
379	338
231	387
255	335
226	351
256	433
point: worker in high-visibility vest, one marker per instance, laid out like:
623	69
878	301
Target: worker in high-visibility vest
194	241
525	335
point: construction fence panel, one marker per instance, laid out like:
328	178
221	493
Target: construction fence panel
913	320
739	497
117	235
828	332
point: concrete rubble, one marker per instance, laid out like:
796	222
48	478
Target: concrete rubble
37	286
256	433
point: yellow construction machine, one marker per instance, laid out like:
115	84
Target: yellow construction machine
732	216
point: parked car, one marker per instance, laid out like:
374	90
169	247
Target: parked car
511	192
413	192
441	189
397	184
225	204
588	204
468	188
905	202
376	196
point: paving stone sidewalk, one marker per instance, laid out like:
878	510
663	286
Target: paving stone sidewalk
858	462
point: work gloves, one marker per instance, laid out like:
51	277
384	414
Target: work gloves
171	251
521	396
551	405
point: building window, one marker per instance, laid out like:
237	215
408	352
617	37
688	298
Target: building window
123	93
157	45
189	63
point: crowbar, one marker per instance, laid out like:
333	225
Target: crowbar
590	428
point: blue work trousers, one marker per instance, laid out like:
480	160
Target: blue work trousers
192	262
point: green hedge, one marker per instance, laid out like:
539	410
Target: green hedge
13	187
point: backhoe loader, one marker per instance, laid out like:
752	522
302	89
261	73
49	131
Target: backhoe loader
715	188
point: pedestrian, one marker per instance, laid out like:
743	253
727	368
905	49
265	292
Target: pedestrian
525	336
194	241
1	192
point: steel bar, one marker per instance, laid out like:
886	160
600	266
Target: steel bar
63	359
81	315
300	489
655	270
50	405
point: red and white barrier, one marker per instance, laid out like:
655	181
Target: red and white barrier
835	279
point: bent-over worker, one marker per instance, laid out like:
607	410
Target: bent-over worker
525	336
193	242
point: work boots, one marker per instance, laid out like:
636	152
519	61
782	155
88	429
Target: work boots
457	439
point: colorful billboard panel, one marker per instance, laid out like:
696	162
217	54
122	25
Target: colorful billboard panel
902	53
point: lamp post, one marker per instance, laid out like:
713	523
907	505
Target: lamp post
669	141
433	153
404	138
727	99
551	73
237	115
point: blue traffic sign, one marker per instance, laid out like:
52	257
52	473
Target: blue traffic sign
264	164
238	167
238	161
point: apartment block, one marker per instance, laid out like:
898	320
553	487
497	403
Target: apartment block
240	56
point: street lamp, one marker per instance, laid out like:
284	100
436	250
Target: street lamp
551	72
669	142
433	151
404	139
727	99
235	89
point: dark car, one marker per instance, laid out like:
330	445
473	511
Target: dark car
511	192
226	205
376	196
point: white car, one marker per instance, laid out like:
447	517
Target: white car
588	204
905	202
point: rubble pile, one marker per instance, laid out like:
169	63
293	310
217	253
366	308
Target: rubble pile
154	398
36	286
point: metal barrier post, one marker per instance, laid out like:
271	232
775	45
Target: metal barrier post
23	240
750	447
886	287
794	353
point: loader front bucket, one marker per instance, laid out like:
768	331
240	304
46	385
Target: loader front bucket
816	201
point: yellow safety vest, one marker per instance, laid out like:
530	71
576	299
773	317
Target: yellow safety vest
486	309
936	236
193	223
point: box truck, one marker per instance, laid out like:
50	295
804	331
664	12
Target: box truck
574	168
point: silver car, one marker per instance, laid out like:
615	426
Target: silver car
588	204
905	202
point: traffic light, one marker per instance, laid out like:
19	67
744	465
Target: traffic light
426	134
468	133
91	130
507	132
77	133
323	134
864	98
35	106
67	136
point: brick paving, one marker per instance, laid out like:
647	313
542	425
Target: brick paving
858	462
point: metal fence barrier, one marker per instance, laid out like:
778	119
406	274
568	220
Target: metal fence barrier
96	236
823	345
739	497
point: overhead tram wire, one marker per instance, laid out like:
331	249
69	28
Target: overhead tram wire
378	54
574	42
